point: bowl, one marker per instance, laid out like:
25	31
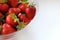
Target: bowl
11	35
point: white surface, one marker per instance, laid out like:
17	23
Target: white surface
46	25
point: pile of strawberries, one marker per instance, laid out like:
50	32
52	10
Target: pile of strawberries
15	15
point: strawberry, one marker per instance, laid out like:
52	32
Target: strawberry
0	6
4	7
30	12
7	29
10	20
13	3
22	7
22	17
14	10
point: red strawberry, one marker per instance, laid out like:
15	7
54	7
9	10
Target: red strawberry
13	3
14	10
22	17
30	12
10	20
7	29
4	7
22	7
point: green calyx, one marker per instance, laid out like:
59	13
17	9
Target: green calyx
3	1
23	1
15	18
32	4
20	24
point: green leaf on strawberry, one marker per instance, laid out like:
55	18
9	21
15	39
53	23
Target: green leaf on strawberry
15	18
20	26
24	0
32	4
3	1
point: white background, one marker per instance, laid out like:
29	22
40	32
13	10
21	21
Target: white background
46	24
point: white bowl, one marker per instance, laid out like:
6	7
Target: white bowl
8	36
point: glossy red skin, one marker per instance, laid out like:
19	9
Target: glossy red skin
7	29
14	10
22	17
22	7
4	7
14	3
10	20
30	12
